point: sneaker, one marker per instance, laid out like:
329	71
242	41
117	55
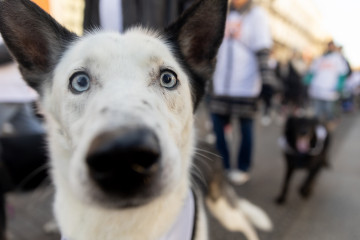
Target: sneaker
238	177
265	121
210	138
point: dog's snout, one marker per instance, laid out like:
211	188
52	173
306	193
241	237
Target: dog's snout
124	160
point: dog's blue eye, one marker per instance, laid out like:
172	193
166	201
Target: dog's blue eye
79	82
168	79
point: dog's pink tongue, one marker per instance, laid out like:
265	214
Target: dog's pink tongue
302	145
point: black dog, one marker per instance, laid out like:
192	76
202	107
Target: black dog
305	144
23	167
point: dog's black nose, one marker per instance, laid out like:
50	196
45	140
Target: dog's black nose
122	161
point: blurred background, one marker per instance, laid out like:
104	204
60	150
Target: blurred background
302	25
301	30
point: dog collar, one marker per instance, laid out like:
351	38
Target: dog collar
184	226
321	134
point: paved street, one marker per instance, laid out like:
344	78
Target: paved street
333	212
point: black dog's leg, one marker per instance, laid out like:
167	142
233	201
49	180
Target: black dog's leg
289	172
306	188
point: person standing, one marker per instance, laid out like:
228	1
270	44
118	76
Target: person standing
326	80
291	74
119	15
242	71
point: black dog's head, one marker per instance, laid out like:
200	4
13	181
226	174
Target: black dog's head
300	133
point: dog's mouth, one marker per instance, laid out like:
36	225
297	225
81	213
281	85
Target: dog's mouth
125	166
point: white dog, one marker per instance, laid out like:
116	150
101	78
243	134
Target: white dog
119	110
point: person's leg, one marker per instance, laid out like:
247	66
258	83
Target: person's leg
267	98
7	111
320	109
219	123
267	102
245	152
329	109
331	115
25	121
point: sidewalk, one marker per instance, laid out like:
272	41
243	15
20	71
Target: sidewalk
333	212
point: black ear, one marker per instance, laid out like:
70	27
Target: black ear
197	35
33	37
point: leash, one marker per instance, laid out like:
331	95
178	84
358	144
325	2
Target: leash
184	227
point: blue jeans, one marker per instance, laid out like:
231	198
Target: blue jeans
245	148
324	110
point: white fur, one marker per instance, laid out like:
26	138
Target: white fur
256	215
124	73
232	219
241	218
202	227
125	93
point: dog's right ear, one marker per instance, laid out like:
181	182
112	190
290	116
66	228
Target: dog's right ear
33	37
197	35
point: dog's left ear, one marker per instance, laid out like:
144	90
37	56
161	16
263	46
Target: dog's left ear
33	37
197	35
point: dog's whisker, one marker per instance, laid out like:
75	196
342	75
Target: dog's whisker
203	161
198	171
205	151
120	137
41	194
32	175
204	156
45	186
197	182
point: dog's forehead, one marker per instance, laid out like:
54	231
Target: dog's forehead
135	46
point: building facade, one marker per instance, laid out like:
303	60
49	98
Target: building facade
296	25
69	13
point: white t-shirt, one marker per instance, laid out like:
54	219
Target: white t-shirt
327	69
237	72
111	17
